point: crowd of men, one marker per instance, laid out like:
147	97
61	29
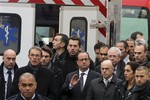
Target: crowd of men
64	72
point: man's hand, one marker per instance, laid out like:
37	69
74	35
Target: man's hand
74	80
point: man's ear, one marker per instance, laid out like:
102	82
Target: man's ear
35	85
80	49
19	86
62	44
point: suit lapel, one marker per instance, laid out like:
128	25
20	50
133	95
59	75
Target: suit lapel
2	81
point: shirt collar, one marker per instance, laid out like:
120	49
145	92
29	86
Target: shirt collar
109	80
116	67
85	72
126	59
31	98
5	70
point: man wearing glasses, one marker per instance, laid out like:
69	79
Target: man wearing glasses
114	54
43	76
77	82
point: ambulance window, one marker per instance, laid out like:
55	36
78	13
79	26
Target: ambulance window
134	19
47	23
44	35
78	26
10	32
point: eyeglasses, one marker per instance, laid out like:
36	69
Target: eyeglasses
35	55
84	59
114	56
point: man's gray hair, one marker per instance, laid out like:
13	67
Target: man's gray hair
115	49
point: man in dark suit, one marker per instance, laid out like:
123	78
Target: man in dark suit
43	76
8	65
141	90
103	87
77	83
114	54
27	86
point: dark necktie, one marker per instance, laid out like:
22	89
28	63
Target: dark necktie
9	82
81	81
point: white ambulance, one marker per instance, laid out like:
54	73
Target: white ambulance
25	23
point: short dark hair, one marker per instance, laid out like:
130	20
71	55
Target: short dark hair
134	35
124	43
64	38
130	39
134	65
98	45
105	46
83	52
76	38
47	49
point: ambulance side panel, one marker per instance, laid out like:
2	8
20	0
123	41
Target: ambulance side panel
26	39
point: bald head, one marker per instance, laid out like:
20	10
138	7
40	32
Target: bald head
9	51
107	62
9	58
27	75
107	69
27	85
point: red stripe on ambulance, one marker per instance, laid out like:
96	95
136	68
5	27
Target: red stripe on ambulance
77	2
102	8
59	2
13	0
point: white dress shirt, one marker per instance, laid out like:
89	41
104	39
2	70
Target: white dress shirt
5	70
84	76
126	60
107	80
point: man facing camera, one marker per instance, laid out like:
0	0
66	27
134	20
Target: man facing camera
27	86
103	87
43	76
77	82
141	91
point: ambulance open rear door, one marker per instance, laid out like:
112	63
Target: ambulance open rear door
75	20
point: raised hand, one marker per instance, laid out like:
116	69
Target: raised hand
74	80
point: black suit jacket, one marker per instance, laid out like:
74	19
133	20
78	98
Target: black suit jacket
19	97
75	93
120	70
2	81
98	90
44	79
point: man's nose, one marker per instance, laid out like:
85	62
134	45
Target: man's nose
138	78
11	60
27	87
72	47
